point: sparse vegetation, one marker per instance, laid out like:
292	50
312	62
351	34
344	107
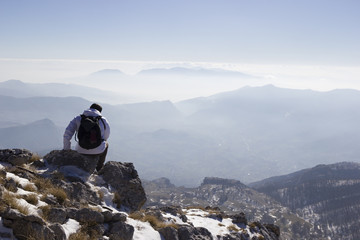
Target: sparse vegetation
31	198
233	228
59	194
46	187
88	231
35	157
153	220
30	187
45	210
117	199
138	215
196	207
10	200
79	236
42	183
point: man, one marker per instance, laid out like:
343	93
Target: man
99	151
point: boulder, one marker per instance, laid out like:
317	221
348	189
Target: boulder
194	233
124	179
81	193
26	227
61	158
121	231
239	218
16	157
169	233
59	231
86	214
57	215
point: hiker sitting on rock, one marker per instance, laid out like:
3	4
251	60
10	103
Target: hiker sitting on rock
92	130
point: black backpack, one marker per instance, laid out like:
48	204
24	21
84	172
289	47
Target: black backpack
89	133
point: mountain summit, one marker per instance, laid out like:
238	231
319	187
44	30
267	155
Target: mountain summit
60	197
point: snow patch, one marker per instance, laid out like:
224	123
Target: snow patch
143	230
70	227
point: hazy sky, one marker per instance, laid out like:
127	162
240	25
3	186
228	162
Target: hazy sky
75	37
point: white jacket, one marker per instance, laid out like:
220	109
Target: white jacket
74	127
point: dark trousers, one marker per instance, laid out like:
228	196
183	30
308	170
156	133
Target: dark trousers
102	157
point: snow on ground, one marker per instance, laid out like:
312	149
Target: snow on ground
70	227
143	230
22	181
198	218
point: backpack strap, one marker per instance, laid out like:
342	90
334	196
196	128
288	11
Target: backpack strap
102	120
77	132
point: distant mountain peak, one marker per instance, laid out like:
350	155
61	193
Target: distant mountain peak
184	71
221	181
107	72
12	83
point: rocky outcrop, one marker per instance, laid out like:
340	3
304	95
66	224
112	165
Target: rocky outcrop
62	158
27	226
125	180
16	157
40	200
122	177
66	196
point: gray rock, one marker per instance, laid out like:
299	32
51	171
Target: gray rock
16	157
57	215
121	231
11	185
192	233
71	158
239	218
125	180
26	227
59	231
173	210
24	230
79	192
107	216
71	212
119	217
273	229
169	233
51	200
86	214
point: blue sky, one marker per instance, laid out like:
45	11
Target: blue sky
301	40
251	31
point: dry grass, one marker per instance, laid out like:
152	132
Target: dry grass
45	211
34	157
138	215
42	183
31	198
59	194
153	220
46	187
117	199
79	236
30	187
233	228
10	200
88	231
196	207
